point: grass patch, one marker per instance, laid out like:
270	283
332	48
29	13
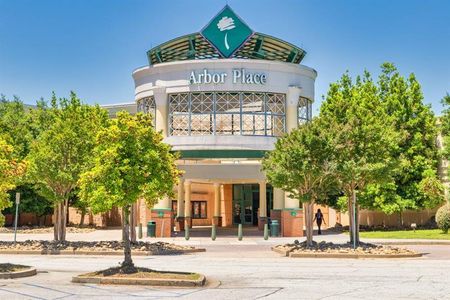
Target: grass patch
143	273
426	234
4	268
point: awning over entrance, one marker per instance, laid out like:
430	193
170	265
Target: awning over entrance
224	173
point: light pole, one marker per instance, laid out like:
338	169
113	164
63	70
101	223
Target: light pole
17	215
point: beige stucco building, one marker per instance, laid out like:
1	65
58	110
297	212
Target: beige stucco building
222	109
221	98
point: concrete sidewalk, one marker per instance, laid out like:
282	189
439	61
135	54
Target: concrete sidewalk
228	239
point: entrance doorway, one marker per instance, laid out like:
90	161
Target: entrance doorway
246	203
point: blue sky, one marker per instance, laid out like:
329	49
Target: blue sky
92	46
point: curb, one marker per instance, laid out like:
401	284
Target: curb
142	281
106	253
279	251
18	274
349	255
400	243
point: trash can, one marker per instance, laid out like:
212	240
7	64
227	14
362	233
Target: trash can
274	228
151	229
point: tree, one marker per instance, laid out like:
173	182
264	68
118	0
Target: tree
63	151
301	165
81	206
363	137
130	162
30	202
416	184
10	173
445	119
15	126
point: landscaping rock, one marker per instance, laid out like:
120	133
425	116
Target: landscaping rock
157	248
36	229
331	248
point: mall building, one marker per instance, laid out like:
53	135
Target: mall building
221	97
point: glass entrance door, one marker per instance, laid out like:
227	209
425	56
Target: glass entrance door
244	210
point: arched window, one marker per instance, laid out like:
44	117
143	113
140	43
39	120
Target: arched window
304	110
147	105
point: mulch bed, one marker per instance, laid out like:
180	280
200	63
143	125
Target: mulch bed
157	248
329	249
37	229
11	271
7	267
141	276
142	273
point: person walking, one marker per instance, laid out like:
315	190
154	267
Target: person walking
318	217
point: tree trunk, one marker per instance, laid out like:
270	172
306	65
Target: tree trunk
127	264
64	211
357	223
133	223
354	220
60	221
83	215
309	223
400	219
123	225
350	218
56	222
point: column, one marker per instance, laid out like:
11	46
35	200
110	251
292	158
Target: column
162	108
161	213
278	199
292	98
262	205
163	203
187	203
290	202
278	205
180	206
217	219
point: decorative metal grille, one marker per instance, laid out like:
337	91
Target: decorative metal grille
304	110
147	105
227	113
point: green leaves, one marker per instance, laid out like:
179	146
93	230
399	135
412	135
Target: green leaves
384	138
361	133
10	173
415	123
129	162
301	163
63	150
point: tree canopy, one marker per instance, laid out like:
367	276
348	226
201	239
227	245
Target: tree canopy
10	173
416	184
302	164
63	151
363	137
130	162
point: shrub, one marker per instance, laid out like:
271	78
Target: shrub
443	217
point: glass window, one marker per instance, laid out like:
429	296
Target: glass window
199	210
227	113
174	206
304	110
147	105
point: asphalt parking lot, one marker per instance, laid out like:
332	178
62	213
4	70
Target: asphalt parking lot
245	271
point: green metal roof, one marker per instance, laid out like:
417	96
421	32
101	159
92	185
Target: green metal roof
195	46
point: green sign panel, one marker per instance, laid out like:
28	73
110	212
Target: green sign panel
226	32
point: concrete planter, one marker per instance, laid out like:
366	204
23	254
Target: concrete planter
142	281
105	253
351	255
18	274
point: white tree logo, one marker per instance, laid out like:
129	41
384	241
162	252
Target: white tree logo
226	23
